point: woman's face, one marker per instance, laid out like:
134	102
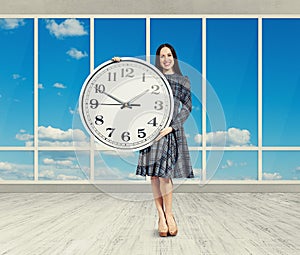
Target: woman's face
166	60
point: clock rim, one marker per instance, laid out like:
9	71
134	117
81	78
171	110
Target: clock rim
107	63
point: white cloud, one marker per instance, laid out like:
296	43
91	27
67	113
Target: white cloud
238	137
50	161
71	111
67	177
187	135
230	163
49	174
69	27
58	134
9	24
112	173
16	76
121	154
198	138
77	54
271	176
41	86
23	136
133	176
59	85
232	137
6	166
49	136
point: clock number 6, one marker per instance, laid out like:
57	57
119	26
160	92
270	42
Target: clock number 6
125	136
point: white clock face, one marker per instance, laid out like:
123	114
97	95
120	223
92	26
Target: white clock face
126	104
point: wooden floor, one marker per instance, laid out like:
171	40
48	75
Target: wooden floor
97	223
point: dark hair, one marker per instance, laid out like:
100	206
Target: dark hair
157	58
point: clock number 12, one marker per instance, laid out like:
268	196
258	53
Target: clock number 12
125	72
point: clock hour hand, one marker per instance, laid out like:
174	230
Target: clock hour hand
116	99
128	104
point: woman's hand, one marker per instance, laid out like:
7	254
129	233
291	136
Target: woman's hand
164	132
116	59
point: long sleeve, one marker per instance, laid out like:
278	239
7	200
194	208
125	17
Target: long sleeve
186	103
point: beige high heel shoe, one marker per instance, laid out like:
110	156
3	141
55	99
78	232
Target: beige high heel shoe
173	229
163	231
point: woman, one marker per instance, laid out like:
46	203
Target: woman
168	157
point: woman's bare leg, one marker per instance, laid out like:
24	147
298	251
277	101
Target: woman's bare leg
158	199
166	191
166	187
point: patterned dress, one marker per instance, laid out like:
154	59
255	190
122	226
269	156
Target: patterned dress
169	157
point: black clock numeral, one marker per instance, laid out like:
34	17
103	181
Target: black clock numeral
143	77
112	76
94	103
99	88
152	122
141	133
99	120
128	72
125	136
158	105
111	131
155	89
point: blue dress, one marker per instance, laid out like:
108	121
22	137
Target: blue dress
169	157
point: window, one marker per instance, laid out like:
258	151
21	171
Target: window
232	58
281	82
54	56
16	82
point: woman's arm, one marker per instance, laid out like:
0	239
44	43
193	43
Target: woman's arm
186	108
184	111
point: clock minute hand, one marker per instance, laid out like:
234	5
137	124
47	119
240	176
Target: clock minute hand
119	104
128	104
116	99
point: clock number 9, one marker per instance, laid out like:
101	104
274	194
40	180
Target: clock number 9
158	105
94	103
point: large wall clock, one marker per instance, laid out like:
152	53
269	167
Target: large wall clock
126	104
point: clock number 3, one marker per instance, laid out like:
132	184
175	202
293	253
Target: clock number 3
158	105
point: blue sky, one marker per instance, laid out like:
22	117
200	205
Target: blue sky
232	72
16	80
281	65
64	53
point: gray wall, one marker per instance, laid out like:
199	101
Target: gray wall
150	7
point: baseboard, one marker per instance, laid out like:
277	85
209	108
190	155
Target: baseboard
142	188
